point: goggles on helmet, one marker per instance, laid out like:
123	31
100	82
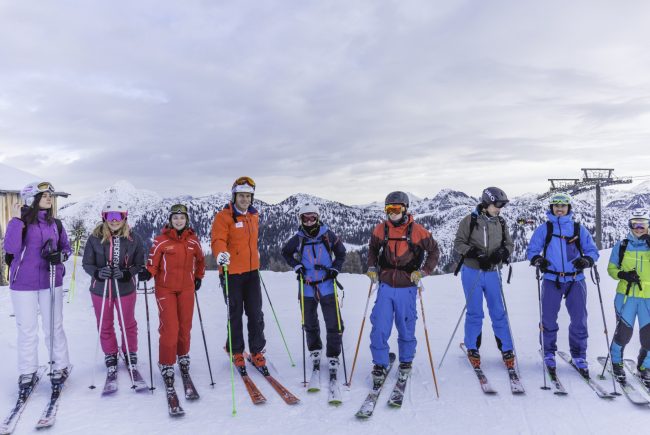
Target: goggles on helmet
245	180
560	199
394	208
114	216
45	187
178	209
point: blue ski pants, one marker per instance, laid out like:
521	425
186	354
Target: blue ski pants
627	310
575	294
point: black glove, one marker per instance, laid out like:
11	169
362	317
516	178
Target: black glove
103	273
484	262
299	269
541	262
126	275
630	276
144	275
583	262
56	257
332	273
500	255
646	239
472	253
197	284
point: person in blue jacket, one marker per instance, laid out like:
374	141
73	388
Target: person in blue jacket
562	248
317	254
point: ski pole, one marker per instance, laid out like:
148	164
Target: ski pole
99	332
363	322
505	308
541	326
232	368
205	344
462	313
602	310
52	301
73	280
338	319
426	337
277	322
146	306
124	337
302	312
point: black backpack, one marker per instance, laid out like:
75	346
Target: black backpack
9	258
418	253
575	238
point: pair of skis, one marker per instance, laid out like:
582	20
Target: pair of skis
516	387
48	417
630	392
173	404
255	394
110	385
334	392
397	395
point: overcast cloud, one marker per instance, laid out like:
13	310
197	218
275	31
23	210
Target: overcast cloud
342	99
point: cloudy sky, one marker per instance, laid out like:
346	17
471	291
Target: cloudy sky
342	99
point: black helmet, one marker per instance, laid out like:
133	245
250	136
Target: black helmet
397	198
494	195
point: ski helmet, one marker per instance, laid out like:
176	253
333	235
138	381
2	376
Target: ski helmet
397	197
494	195
639	217
308	208
243	185
560	198
178	209
114	207
30	191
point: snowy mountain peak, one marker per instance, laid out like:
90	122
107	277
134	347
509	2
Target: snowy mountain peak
642	188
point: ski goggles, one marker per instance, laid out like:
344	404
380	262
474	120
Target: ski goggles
500	204
245	180
639	224
114	216
178	209
560	199
45	186
309	218
394	208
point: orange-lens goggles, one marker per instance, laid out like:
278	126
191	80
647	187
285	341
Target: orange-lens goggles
245	180
45	187
394	209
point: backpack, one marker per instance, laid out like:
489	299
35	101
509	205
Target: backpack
621	251
418	253
575	238
473	223
9	258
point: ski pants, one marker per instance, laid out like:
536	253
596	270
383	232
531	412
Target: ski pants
476	285
312	325
175	310
245	295
27	304
396	305
627	310
575	295
107	336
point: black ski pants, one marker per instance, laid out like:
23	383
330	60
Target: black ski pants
245	296
312	326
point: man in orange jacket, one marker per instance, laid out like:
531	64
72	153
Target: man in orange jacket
234	244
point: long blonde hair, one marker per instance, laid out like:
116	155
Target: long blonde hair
103	231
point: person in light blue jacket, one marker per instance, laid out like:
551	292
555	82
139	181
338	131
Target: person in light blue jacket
562	249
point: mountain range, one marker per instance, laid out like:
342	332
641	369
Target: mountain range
440	214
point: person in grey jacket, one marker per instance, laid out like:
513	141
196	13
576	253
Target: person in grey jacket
485	244
113	256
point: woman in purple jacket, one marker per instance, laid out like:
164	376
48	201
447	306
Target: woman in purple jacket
37	242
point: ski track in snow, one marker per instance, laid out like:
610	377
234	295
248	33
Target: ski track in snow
462	407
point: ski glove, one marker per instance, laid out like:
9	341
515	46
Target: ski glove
56	257
223	259
144	275
197	284
646	239
372	274
416	276
484	262
583	262
299	269
500	255
122	275
472	252
539	261
629	276
332	273
103	273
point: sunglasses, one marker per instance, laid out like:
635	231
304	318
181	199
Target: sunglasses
309	218
500	204
178	208
45	187
245	180
114	216
394	208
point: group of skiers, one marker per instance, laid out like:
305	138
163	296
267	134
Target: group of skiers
401	252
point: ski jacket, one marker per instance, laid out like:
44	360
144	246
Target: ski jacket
175	260
29	270
636	257
487	236
315	253
236	233
562	250
396	257
98	255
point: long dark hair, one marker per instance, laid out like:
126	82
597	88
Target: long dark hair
30	214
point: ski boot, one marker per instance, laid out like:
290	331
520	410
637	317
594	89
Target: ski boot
258	359
26	383
379	374
131	360
59	376
314	356
549	361
474	358
644	375
167	372
618	370
184	364
582	366
110	359
509	359
333	364
239	361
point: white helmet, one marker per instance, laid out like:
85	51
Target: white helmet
308	208
34	188
115	206
638	216
243	185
